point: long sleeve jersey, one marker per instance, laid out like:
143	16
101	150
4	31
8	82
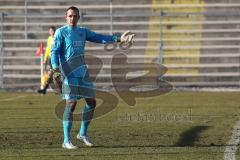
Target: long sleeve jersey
69	43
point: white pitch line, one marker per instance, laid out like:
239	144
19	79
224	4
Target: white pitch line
14	98
232	145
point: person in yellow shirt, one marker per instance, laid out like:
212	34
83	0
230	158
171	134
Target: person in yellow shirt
47	59
47	54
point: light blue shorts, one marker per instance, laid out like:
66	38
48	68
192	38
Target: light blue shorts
75	88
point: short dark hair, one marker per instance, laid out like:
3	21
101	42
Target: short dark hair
53	28
73	8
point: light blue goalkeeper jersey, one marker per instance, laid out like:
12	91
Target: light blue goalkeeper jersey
67	53
68	48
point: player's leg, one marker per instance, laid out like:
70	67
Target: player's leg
67	123
44	90
48	79
87	116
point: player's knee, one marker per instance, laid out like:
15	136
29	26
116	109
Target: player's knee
91	102
72	104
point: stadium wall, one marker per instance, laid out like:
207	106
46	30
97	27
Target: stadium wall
197	40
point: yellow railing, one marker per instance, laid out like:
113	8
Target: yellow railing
161	34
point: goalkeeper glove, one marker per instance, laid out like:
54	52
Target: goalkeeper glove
127	37
56	80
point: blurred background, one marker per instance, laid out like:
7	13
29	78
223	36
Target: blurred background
196	40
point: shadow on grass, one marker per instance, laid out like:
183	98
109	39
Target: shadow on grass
190	136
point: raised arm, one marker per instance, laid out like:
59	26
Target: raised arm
99	38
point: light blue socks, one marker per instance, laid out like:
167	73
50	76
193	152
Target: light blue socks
87	116
67	124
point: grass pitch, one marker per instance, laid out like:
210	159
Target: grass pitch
174	126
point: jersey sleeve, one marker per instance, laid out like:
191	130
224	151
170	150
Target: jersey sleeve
56	49
99	38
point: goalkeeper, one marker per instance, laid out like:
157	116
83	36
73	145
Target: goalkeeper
67	56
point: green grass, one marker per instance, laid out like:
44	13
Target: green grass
174	126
